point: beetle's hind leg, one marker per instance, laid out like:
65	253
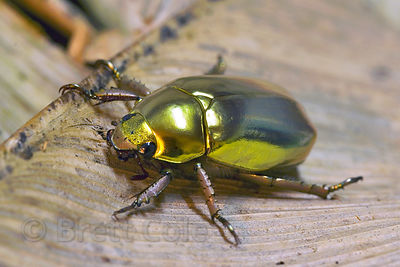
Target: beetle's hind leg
322	191
219	67
210	200
150	192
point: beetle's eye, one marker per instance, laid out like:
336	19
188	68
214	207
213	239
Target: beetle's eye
148	149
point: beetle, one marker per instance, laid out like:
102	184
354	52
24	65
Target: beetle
213	125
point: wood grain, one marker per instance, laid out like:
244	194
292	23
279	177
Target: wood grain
60	181
31	67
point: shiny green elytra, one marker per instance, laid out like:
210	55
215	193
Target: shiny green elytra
238	122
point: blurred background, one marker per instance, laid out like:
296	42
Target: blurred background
45	44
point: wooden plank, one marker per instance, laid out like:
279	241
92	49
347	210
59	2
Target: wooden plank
338	58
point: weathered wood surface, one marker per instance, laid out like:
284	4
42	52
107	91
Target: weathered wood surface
338	58
31	67
125	20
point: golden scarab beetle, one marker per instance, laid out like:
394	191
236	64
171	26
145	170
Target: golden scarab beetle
211	125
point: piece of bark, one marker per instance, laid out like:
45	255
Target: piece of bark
337	58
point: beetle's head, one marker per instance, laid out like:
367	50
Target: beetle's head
133	135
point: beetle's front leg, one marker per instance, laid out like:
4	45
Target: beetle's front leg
127	89
150	192
123	82
210	200
103	96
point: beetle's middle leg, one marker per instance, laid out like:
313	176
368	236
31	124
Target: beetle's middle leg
210	200
150	192
218	68
322	191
